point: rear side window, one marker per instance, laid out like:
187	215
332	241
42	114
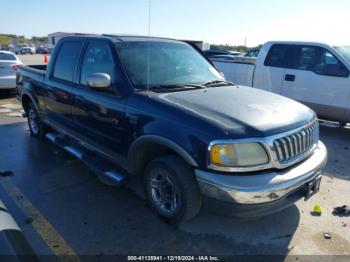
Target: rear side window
66	60
5	56
277	56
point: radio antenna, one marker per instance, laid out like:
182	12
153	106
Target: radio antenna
148	42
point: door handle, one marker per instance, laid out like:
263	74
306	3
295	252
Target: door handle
290	78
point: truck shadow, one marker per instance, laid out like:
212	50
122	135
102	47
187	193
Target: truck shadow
269	235
98	219
6	94
337	141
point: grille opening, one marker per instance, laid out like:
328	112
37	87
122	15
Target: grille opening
295	145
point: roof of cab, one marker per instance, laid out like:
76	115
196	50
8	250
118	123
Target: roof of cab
125	38
298	43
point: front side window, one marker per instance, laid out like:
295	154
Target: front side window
153	63
327	64
318	60
98	59
66	61
345	52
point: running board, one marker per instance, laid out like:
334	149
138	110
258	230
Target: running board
104	169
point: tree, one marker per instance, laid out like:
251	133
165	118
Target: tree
40	40
5	40
238	48
21	39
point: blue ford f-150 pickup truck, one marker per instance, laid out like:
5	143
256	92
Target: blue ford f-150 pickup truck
156	108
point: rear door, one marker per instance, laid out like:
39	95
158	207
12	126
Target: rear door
58	97
269	72
99	115
317	78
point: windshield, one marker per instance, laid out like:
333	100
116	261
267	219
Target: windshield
6	56
345	52
170	63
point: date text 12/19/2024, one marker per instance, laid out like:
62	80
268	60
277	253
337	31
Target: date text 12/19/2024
173	258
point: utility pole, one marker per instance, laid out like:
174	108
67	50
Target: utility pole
245	41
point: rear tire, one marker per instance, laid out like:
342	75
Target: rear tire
36	126
172	190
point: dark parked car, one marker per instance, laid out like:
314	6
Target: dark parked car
252	52
214	52
43	49
223	57
155	108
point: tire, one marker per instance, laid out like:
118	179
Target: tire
36	126
177	182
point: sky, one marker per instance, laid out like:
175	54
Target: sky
213	21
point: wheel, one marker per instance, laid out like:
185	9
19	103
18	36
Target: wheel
172	190
36	127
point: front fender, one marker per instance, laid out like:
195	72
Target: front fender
144	141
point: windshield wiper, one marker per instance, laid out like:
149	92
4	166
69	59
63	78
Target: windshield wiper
176	87
216	82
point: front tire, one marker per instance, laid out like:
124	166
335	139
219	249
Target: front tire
36	126
172	190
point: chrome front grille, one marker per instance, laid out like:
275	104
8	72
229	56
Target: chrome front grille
295	145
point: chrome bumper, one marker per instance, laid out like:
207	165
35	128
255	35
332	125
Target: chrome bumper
265	186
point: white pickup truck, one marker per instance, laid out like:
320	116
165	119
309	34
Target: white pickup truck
315	74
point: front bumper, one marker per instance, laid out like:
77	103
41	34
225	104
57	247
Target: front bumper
264	192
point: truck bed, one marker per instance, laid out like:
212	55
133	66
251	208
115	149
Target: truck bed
38	67
31	74
34	72
240	72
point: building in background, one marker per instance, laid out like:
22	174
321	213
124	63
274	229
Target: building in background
200	44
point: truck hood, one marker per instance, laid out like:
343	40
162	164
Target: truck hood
241	111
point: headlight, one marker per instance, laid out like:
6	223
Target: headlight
245	154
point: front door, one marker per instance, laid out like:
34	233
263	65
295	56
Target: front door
318	79
99	115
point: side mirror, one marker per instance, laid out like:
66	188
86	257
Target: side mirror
99	81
